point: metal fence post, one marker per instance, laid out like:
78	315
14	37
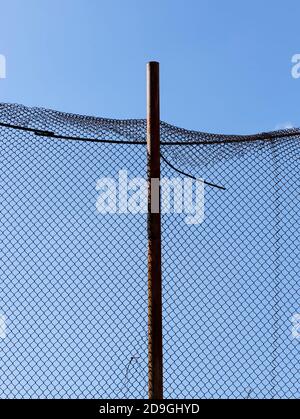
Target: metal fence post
154	235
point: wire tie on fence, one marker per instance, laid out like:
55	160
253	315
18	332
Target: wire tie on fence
42	133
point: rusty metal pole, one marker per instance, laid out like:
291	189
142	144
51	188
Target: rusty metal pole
154	235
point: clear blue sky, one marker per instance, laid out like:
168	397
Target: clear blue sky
226	66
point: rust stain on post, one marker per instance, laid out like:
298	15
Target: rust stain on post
154	235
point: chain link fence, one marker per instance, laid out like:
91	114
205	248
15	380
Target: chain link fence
73	314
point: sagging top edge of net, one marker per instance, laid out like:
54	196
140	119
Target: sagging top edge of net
66	126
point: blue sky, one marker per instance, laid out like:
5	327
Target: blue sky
226	66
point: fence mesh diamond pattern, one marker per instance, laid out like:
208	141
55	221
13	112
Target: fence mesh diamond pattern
73	290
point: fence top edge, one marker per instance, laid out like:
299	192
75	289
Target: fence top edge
12	113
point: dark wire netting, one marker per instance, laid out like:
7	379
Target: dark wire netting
74	282
231	285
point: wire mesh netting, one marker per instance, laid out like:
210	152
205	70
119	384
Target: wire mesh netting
73	315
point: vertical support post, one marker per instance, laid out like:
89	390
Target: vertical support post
154	235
